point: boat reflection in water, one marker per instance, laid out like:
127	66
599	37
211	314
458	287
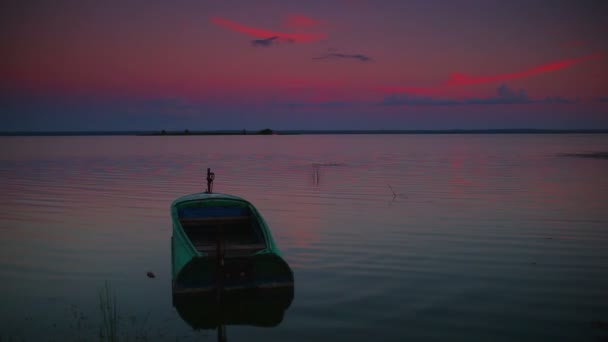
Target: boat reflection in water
259	307
211	292
226	266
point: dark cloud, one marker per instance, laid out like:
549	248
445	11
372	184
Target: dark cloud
559	100
362	58
264	42
327	104
415	100
603	99
504	95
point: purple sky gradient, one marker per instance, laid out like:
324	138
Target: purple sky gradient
151	65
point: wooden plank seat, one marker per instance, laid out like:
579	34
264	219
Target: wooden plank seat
232	249
187	222
240	234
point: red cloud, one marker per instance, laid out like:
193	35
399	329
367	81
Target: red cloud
459	79
261	33
462	79
301	21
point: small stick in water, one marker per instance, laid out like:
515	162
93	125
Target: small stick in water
394	194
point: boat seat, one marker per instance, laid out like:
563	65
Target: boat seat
231	246
240	234
231	249
214	221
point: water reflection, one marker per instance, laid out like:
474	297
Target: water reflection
261	307
255	307
315	176
459	249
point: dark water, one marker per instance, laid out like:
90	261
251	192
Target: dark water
391	238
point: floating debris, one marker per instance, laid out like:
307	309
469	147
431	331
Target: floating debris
327	164
151	275
395	195
595	155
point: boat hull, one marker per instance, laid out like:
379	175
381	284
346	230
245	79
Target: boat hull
261	271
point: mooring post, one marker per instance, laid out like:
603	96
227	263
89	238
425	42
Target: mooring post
210	178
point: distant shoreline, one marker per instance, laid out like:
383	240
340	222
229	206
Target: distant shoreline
308	132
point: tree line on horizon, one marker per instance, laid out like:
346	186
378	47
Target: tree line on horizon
265	131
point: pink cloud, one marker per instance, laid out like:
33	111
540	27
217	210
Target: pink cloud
460	79
463	79
262	33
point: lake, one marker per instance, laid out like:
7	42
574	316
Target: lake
448	237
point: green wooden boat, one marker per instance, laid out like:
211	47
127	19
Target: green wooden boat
221	243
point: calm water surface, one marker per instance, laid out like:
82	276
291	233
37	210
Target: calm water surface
390	237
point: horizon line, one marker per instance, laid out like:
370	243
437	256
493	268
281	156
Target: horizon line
307	131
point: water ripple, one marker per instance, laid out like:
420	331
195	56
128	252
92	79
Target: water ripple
390	237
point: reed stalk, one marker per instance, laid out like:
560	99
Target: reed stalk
109	314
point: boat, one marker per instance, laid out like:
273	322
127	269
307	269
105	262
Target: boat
221	244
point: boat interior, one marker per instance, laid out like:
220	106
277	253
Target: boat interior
234	230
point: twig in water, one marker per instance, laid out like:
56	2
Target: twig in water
315	174
394	194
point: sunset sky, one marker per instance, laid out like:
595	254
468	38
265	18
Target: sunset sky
209	65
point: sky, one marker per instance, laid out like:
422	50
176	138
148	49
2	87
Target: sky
332	64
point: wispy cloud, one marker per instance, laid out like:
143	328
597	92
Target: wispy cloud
360	57
559	100
504	95
264	34
264	42
460	79
463	79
